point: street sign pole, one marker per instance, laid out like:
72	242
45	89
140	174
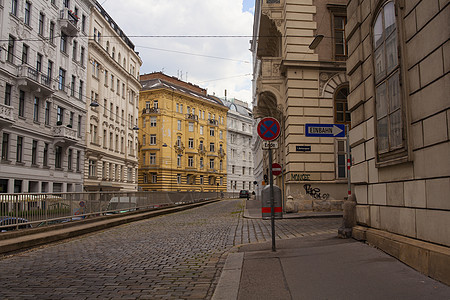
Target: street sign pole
269	129
272	201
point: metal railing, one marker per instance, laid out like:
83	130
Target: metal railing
19	211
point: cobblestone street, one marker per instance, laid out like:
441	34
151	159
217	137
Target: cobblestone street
177	256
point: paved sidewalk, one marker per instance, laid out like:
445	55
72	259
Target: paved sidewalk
320	267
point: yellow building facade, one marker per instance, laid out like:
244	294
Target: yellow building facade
182	136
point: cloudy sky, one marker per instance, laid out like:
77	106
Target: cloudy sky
215	63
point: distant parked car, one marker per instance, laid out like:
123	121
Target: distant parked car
12	221
244	194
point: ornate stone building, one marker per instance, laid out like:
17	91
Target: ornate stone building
239	140
182	136
43	62
299	53
399	67
111	161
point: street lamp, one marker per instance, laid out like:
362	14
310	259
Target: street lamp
316	41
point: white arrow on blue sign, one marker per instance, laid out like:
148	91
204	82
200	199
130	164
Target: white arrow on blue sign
325	130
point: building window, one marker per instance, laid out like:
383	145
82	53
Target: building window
72	86
179	160
154	178
211	131
51	36
27	13
41	23
45	155
341	112
78	161
58	157
39	62
61	79
8	89
69	159
21	103
5	146
201	179
201	162
82	56
152	139
388	100
178	178
211	147
36	110
341	167
190	161
24	54
92	168
14	7
191	126
201	130
83	23
221	134
153	158
340	44
80	90
179	124
145	178
19	148
191	143
152	121
211	163
232	169
11	45
63	42
59	115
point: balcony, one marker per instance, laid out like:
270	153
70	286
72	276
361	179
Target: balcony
213	122
192	117
151	110
34	81
68	21
6	115
64	135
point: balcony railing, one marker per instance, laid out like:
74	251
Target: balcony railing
34	80
6	115
68	21
64	134
192	117
213	122
150	110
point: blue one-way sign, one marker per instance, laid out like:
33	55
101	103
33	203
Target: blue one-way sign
325	130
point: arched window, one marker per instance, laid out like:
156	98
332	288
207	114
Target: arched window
118	58
341	112
113	54
107	46
388	100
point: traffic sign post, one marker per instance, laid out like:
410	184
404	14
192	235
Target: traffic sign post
276	169
269	129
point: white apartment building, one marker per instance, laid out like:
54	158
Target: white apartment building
43	60
239	143
113	87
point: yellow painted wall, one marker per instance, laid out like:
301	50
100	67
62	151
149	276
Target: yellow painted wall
167	132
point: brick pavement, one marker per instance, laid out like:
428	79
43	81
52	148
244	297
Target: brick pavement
177	256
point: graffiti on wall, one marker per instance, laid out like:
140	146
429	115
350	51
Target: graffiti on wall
315	192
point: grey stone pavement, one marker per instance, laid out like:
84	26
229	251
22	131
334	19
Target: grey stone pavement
319	266
176	256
